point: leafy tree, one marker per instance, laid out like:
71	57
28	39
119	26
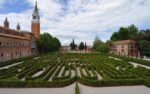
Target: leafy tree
144	47
103	48
73	45
115	36
47	43
144	35
100	46
125	33
96	44
81	46
133	31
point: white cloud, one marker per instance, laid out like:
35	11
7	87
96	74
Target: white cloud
84	19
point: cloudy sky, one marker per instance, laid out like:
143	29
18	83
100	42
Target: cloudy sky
82	20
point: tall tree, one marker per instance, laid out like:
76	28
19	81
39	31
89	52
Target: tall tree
115	36
81	46
145	34
73	45
104	48
144	47
47	43
96	43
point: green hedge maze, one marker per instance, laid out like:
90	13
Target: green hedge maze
59	70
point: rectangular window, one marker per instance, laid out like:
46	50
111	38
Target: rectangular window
2	54
1	44
7	44
1	30
122	50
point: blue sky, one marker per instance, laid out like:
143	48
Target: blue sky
79	19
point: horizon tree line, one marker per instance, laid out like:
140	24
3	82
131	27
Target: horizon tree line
82	45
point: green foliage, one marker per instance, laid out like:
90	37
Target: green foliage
125	33
144	47
131	32
47	43
100	46
143	62
104	48
97	42
59	70
81	46
73	45
144	35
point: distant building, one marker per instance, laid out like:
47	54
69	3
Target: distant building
67	49
18	43
125	47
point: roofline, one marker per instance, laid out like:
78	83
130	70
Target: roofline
12	36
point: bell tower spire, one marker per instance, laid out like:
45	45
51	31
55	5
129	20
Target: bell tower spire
36	22
18	26
6	23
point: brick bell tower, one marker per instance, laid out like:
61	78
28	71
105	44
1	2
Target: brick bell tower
35	28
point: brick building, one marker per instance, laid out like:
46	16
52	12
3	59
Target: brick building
16	43
125	47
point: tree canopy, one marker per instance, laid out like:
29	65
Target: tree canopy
96	43
47	43
142	37
144	47
81	46
125	33
73	45
100	46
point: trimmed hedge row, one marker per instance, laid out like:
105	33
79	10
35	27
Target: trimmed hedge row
6	63
39	84
126	75
129	59
112	82
8	73
95	83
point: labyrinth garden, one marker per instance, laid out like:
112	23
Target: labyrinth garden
59	70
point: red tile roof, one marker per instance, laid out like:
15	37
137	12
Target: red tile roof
12	36
124	42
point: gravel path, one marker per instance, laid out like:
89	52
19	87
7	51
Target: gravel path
78	72
136	64
38	73
62	69
64	90
114	58
114	90
84	72
83	90
99	77
11	65
72	73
